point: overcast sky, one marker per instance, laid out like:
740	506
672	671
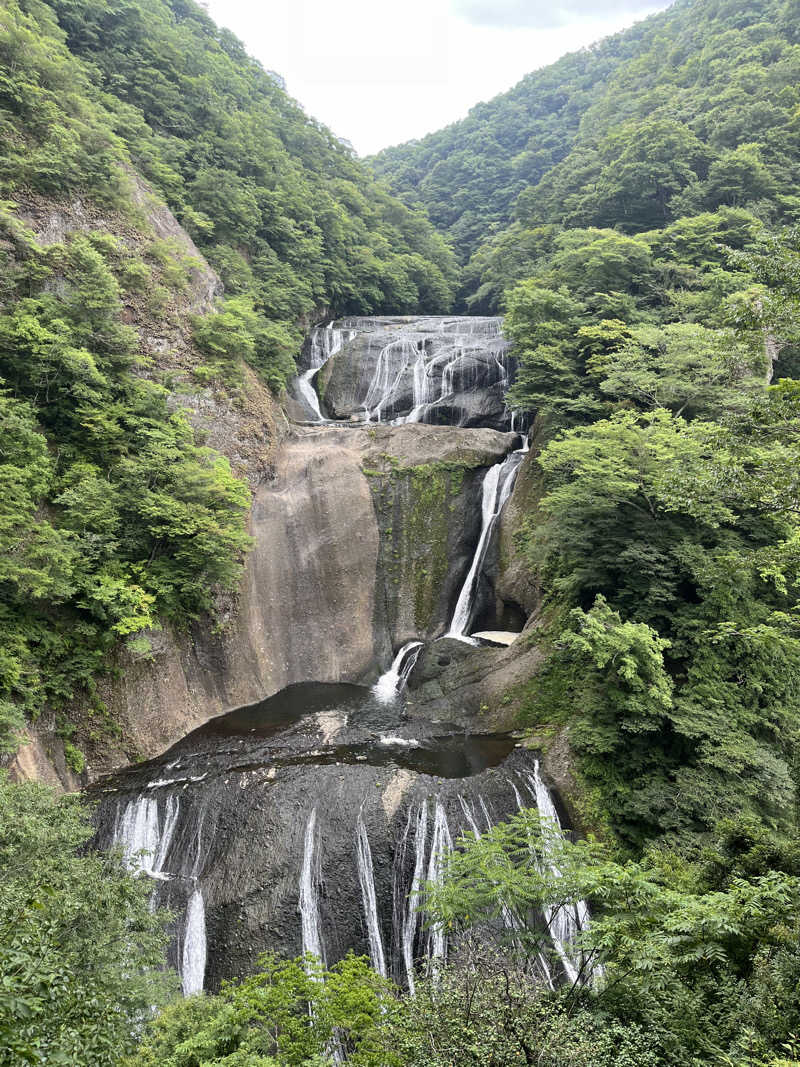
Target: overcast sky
379	73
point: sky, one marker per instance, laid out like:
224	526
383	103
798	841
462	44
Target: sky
379	73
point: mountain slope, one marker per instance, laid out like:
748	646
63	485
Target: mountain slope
283	210
692	109
469	174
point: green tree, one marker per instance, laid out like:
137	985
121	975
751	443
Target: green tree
291	1012
81	952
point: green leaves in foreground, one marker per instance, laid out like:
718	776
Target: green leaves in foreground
80	950
703	956
290	1012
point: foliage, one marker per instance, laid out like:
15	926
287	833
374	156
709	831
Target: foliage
687	951
291	1012
486	1012
277	204
112	516
81	951
692	110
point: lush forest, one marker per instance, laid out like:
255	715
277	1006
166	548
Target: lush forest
632	210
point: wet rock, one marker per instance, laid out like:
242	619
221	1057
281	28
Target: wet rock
229	807
435	370
335	582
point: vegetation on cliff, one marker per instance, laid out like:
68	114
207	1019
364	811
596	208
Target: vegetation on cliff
114	515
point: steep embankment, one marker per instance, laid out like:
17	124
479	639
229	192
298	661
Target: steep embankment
329	589
245	425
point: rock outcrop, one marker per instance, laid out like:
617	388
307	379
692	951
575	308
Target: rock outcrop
360	539
442	371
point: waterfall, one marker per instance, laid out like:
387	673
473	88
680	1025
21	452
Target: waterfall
411	918
170	822
387	377
144	842
510	920
326	341
366	877
424	392
193	959
497	485
391	684
469	815
441	845
567	921
425	386
309	900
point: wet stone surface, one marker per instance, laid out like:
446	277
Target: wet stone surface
227	810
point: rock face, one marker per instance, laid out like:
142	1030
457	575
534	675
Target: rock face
441	371
303	819
477	688
266	812
155	700
361	539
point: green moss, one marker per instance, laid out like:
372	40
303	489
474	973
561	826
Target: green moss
75	759
415	507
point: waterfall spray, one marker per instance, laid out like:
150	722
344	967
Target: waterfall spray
389	686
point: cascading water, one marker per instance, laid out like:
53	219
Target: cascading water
443	371
389	686
145	841
366	877
325	342
393	360
412	914
406	370
441	845
565	922
193	958
140	834
498	483
309	896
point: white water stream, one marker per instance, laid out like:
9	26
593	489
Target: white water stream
389	686
326	341
566	921
309	897
366	877
193	957
412	915
145	841
498	483
441	845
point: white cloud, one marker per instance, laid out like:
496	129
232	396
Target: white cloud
513	14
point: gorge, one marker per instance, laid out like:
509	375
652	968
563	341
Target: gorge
309	818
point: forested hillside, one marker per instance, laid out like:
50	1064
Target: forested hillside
649	278
114	514
692	109
633	212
